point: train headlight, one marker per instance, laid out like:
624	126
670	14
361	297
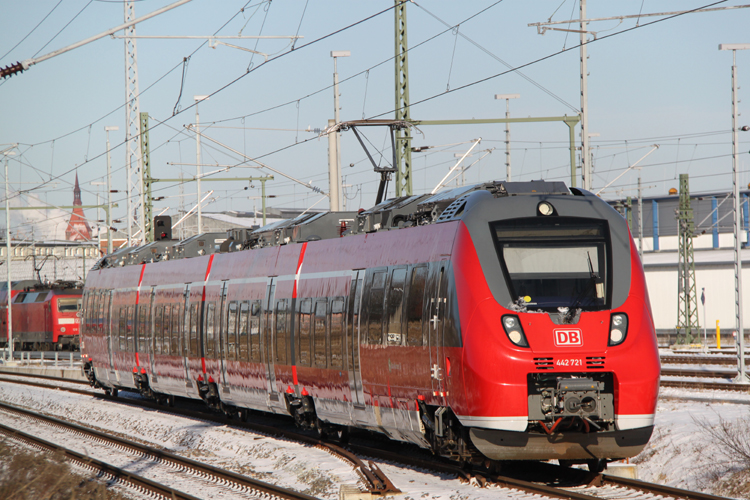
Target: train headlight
545	208
513	330
618	329
62	329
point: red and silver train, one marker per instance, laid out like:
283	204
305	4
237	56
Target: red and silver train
45	315
502	321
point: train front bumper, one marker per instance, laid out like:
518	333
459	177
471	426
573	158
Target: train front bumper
509	445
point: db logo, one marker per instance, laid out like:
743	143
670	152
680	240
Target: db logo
568	337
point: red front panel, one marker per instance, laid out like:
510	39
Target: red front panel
496	370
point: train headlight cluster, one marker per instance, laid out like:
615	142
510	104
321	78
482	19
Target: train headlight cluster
545	208
618	329
513	330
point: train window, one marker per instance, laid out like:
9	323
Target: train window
282	332
176	315
209	328
20	298
255	311
305	322
69	304
158	325
375	309
122	314
396	307
193	330
415	306
319	341
129	329
243	337
337	333
105	315
552	262
164	333
143	326
42	297
232	331
100	314
87	311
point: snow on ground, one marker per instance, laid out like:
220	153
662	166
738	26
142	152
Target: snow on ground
684	453
270	459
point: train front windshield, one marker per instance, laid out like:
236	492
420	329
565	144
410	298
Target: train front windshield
69	305
552	262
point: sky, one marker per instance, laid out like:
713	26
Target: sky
652	81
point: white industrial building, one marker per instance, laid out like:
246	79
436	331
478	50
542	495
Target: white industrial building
714	260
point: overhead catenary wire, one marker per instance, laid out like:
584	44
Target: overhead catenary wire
452	90
32	30
249	71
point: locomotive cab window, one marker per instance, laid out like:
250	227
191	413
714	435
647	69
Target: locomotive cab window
555	262
69	305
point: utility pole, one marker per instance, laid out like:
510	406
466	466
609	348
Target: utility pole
8	258
145	181
507	98
332	170
335	188
585	160
640	217
687	296
132	117
741	376
198	99
110	233
402	135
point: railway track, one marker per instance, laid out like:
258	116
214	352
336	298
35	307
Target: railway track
377	482
543	479
188	473
700	360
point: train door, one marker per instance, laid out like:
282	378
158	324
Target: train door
145	329
108	326
152	332
268	329
185	337
352	341
225	355
438	305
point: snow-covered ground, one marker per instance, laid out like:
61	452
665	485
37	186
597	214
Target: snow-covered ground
682	452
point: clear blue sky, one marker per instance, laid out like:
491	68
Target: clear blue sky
665	83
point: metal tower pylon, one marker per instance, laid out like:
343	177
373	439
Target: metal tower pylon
148	205
403	135
687	295
133	158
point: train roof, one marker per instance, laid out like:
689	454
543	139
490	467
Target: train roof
391	214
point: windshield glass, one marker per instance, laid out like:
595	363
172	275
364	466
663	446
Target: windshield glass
69	305
553	262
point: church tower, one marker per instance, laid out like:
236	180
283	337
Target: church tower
78	228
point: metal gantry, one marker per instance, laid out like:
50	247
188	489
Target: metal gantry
403	136
133	158
687	295
146	180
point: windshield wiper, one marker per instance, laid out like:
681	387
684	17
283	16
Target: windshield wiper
592	282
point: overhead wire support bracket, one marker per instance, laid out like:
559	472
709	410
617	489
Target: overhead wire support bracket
544	26
27	63
263	165
385	172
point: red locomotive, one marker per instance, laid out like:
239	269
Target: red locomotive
45	315
502	321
